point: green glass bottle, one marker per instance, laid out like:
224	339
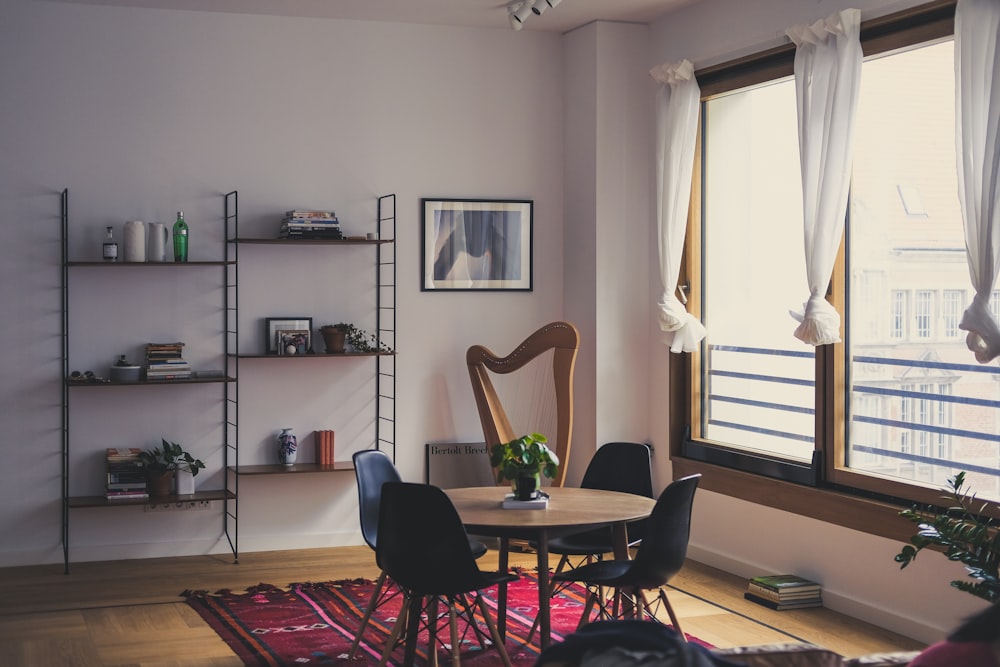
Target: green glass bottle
180	238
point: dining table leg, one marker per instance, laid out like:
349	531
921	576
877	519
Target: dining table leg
503	560
544	617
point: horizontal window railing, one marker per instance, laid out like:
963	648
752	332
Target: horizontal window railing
926	431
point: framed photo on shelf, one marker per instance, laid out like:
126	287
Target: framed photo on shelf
476	244
272	325
293	341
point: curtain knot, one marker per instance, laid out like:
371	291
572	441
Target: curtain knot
819	322
681	330
673	73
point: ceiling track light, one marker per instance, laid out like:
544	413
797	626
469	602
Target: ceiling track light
519	10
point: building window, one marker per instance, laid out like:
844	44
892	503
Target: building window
924	313
873	414
900	314
952	305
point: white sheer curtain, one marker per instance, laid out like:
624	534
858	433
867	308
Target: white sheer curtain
676	129
977	114
827	77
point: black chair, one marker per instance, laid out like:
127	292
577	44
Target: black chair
424	548
659	557
372	469
617	466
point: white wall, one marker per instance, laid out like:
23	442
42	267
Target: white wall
857	570
145	112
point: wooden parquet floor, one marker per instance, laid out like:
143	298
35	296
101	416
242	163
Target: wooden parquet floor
130	613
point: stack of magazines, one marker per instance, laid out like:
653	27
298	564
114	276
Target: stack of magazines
784	591
309	224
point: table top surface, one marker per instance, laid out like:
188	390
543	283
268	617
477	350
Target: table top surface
569	508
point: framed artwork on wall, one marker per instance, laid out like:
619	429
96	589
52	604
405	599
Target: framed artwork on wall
476	244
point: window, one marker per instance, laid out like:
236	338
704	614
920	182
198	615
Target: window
900	313
952	305
924	313
901	404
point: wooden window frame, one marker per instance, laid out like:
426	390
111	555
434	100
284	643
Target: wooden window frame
872	506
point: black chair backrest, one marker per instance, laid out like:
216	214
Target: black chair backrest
620	466
422	543
372	468
664	546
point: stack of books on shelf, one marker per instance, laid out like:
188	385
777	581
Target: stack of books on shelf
305	224
324	447
164	361
784	591
126	474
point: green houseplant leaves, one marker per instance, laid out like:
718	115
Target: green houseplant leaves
527	456
962	532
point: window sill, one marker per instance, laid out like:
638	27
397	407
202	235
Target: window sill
834	507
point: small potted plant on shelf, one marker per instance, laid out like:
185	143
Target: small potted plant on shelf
336	335
964	533
162	464
523	461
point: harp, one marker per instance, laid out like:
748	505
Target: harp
563	340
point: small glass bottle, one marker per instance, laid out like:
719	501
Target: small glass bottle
180	238
110	246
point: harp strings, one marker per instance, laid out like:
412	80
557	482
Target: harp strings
529	397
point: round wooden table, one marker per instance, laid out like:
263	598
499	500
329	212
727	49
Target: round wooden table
569	511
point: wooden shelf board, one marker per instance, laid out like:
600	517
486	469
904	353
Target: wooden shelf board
134	264
101	501
312	241
320	355
148	383
279	469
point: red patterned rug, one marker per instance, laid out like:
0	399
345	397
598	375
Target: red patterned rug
315	623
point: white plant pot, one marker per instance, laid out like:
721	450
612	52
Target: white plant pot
185	482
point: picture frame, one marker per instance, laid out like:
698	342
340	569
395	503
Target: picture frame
272	325
476	244
299	340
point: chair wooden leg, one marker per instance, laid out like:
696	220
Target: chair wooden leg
453	624
432	627
372	604
588	608
497	640
397	629
412	628
673	616
470	612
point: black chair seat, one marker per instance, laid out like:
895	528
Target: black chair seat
598	541
422	545
659	557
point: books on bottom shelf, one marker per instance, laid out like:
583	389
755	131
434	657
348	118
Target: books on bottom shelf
126	474
784	591
324	447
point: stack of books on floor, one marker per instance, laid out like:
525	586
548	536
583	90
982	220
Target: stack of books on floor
784	591
303	224
164	361
126	474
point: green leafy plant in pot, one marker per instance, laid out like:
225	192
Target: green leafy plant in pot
523	461
962	530
162	463
336	335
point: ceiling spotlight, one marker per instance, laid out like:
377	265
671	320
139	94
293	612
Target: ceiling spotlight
519	11
540	6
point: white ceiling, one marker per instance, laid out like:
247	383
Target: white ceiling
566	16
